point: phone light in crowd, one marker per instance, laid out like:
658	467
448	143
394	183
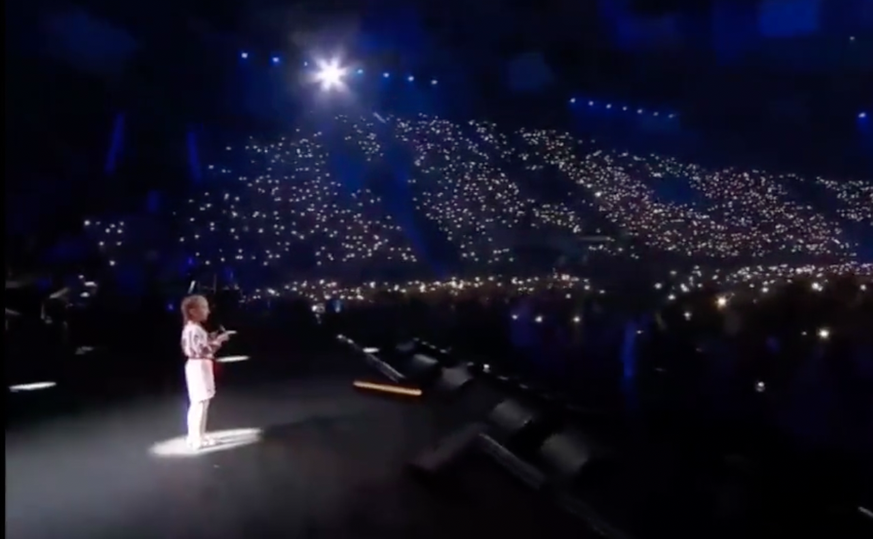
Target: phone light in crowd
721	302
862	116
433	82
34	386
390	389
244	55
385	75
410	78
232	359
275	59
824	334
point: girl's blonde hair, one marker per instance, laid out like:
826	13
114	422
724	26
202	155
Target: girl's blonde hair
188	304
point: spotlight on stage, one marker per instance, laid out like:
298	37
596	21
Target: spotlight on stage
35	386
224	441
388	389
330	75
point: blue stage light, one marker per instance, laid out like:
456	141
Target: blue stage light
360	72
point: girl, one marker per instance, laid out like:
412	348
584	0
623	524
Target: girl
199	348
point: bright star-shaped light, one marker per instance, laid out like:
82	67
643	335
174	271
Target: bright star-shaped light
330	75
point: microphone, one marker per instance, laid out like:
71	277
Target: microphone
221	329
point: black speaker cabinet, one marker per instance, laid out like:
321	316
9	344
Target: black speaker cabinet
569	454
422	369
455	379
518	427
447	451
407	348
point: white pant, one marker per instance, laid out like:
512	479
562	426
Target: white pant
200	379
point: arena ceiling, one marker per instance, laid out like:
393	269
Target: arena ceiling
72	65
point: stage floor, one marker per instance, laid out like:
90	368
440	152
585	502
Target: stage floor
303	456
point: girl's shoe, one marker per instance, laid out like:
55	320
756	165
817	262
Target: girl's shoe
196	444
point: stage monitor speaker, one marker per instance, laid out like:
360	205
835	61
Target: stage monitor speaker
518	427
474	402
406	349
569	455
422	369
455	379
447	451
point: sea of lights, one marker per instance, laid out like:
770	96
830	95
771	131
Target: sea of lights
760	279
478	186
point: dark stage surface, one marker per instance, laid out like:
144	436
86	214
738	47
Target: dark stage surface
301	454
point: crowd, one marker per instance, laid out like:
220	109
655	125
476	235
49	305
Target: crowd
854	198
287	206
465	181
728	214
288	211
